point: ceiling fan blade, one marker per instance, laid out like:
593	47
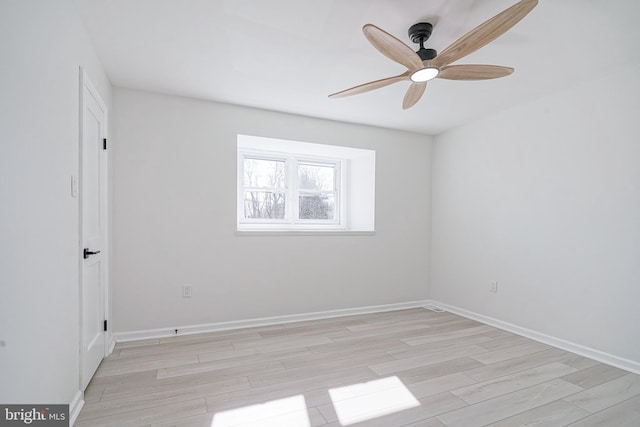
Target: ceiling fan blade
391	47
413	95
485	33
366	87
474	72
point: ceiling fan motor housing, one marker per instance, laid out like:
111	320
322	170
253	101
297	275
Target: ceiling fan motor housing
420	33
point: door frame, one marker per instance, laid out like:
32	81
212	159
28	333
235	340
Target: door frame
85	83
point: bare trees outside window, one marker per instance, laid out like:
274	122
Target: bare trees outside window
264	183
289	189
316	191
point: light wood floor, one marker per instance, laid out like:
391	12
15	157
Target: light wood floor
403	368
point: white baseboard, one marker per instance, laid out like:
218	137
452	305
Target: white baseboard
110	344
264	321
75	407
600	356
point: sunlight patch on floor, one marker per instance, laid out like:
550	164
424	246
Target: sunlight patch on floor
288	412
365	401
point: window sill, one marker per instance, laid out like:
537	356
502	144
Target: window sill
249	233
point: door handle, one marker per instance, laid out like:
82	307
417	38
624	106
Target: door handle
87	253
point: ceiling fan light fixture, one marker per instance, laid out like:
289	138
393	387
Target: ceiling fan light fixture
425	74
426	64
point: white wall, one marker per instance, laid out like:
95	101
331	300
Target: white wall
545	199
42	45
174	217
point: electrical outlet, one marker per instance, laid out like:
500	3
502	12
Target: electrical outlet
187	291
494	287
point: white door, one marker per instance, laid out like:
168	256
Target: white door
93	229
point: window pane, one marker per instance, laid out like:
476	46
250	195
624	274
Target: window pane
263	204
317	206
264	173
316	177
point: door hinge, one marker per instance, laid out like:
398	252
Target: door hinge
105	326
104	144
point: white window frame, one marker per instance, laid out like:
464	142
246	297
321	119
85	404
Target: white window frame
241	188
297	192
292	192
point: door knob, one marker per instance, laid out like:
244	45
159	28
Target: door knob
86	253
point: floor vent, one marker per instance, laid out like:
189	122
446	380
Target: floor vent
434	308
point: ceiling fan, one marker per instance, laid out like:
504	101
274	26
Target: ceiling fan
427	64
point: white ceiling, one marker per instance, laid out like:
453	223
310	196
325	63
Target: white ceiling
288	55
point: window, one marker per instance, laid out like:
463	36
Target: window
264	188
287	190
295	186
281	188
317	191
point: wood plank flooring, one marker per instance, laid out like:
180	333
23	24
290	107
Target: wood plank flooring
413	368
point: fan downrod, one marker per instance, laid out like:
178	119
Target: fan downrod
420	33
